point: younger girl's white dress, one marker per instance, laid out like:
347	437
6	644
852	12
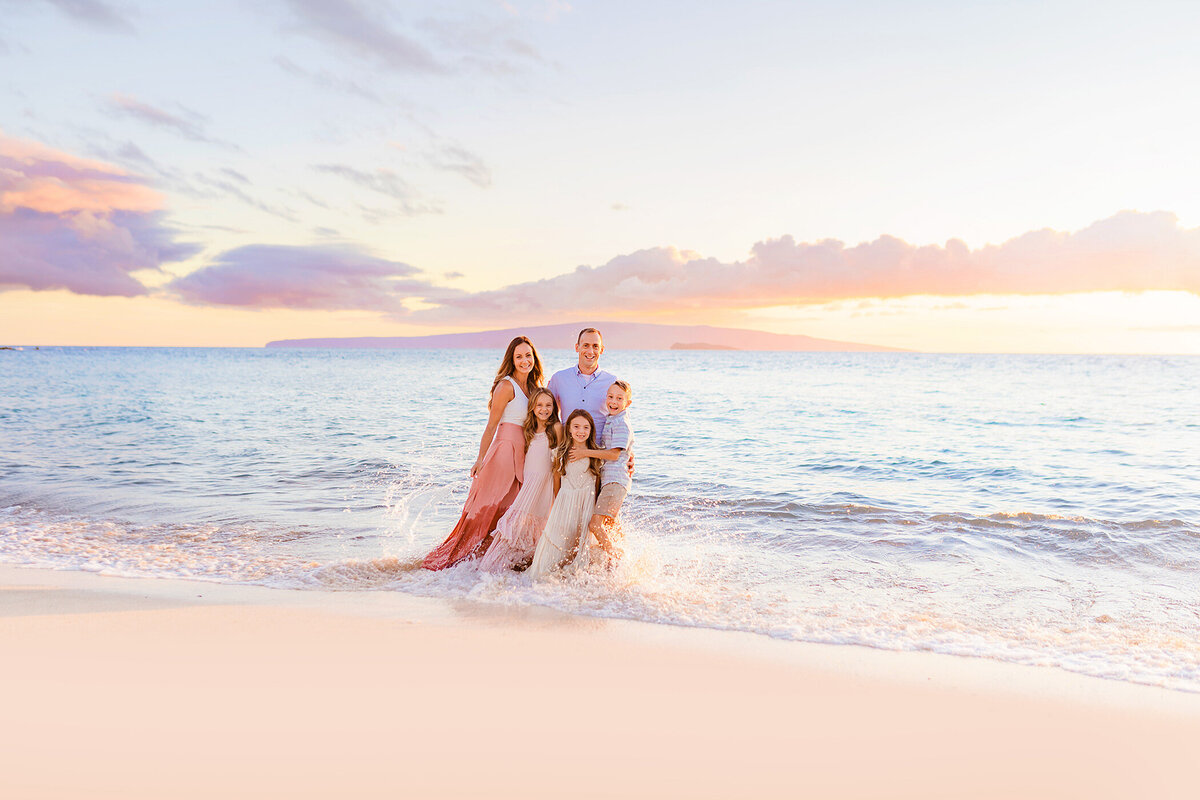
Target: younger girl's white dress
568	520
517	532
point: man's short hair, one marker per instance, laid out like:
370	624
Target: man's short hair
596	331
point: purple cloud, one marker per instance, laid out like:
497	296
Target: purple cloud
85	253
318	277
80	225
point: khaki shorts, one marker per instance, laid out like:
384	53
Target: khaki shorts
610	499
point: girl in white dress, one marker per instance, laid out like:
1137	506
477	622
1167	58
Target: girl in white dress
575	486
517	532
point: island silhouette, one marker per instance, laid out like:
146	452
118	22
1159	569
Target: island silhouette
617	335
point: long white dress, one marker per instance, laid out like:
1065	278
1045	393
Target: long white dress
517	532
569	517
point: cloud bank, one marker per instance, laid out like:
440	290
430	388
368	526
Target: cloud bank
76	224
1129	251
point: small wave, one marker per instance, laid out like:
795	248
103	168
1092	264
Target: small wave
357	575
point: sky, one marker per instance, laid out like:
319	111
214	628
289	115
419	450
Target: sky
941	176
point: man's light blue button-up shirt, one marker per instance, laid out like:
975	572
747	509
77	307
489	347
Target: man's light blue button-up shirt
572	389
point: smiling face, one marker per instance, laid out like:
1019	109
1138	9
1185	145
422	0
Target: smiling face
523	359
589	347
616	401
543	407
580	429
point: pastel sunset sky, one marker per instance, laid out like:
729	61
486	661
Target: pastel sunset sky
939	176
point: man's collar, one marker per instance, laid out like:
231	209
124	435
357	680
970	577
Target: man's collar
591	374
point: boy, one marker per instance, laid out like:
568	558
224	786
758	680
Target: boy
616	442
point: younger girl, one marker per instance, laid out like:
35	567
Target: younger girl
575	486
517	532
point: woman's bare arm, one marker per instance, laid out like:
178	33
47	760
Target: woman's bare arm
501	396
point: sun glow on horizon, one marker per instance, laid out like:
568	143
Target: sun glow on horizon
1098	322
1154	322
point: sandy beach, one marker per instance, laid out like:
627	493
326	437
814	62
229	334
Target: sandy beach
131	688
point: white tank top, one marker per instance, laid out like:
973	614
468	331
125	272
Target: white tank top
514	412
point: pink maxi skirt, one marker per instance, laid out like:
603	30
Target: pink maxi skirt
492	492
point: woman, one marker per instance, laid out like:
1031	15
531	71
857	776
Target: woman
497	472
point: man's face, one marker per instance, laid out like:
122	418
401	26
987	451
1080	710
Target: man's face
589	347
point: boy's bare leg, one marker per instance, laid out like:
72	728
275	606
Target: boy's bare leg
602	526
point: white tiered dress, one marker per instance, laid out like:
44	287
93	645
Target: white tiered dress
518	531
573	508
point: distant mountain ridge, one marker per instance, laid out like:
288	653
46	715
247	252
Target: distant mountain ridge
617	335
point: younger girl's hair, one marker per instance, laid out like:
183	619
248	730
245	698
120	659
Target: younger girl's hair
508	367
531	420
564	447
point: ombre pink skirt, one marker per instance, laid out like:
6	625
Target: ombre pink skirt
492	492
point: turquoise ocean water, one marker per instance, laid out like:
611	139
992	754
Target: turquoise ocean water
1032	509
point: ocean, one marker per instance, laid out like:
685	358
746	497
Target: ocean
1033	509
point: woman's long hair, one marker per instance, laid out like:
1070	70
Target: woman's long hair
531	420
564	447
508	367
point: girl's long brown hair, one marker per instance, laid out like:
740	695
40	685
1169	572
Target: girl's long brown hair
531	420
508	367
564	447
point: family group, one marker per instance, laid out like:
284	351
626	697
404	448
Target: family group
554	466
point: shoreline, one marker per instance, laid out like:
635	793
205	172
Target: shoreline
151	687
393	602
